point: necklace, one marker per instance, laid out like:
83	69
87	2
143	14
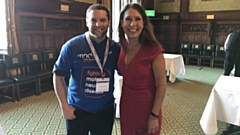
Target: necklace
126	66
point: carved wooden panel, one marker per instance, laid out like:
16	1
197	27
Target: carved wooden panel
227	27
38	32
194	28
195	32
201	39
223	28
52	6
194	38
49	41
59	40
25	42
166	33
63	24
31	23
37	42
220	39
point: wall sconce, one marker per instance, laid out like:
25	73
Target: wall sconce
209	17
64	7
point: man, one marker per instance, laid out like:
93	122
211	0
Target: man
232	53
90	59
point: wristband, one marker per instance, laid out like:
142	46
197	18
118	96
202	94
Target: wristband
154	115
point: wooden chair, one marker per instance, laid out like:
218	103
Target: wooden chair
49	59
7	85
196	51
207	55
219	56
16	70
185	51
37	65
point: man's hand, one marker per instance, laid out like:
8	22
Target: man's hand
68	112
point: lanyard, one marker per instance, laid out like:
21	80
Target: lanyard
95	53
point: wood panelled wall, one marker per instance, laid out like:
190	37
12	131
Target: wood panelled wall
167	32
38	32
41	25
193	27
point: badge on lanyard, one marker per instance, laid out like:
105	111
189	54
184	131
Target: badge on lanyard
102	84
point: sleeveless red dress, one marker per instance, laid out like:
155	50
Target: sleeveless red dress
138	91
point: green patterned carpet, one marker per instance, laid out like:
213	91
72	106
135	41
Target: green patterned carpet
183	106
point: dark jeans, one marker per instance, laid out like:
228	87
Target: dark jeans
231	60
97	123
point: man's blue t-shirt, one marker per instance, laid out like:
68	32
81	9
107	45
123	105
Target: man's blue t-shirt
77	59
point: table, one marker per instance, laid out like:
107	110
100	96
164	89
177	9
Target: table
1	130
117	92
223	104
175	64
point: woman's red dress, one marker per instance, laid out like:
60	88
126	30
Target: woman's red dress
138	91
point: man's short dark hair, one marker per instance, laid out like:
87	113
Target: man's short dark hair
98	7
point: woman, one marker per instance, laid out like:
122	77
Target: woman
142	65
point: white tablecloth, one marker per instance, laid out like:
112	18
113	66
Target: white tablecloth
223	104
174	63
1	131
117	92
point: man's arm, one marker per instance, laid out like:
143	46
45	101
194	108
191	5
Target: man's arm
226	41
61	93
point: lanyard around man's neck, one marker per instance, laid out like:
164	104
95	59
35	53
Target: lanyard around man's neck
95	53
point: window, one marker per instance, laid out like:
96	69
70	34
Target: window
3	28
135	1
115	19
8	40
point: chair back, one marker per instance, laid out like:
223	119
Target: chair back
14	61
196	49
185	46
208	50
185	49
34	61
219	52
49	58
14	64
34	57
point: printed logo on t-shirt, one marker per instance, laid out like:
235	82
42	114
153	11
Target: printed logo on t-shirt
86	57
89	77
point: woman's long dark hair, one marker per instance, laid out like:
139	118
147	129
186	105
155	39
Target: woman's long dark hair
147	37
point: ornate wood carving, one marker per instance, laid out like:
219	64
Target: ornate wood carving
31	23
63	24
194	28
227	27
